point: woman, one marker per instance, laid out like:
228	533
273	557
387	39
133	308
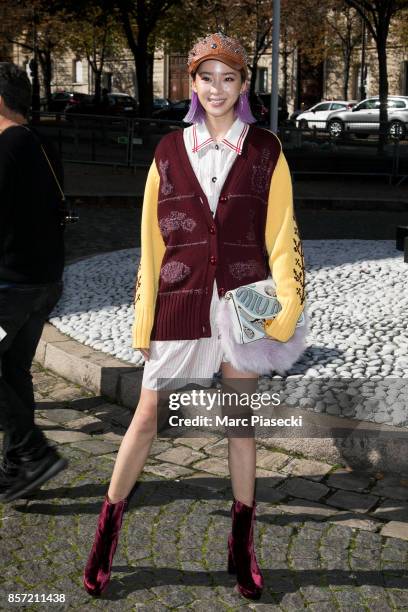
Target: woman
217	214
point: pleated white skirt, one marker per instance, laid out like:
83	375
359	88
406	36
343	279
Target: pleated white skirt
176	363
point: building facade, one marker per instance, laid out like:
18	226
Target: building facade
300	83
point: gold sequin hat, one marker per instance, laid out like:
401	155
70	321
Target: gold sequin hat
219	47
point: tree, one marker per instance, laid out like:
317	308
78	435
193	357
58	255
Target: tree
139	20
98	39
288	48
377	15
345	24
250	21
31	26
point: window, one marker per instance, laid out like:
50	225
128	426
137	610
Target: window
322	107
396	104
338	106
77	73
261	83
367	105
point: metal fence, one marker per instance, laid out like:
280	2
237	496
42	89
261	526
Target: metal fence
312	151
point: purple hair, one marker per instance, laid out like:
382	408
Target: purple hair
196	112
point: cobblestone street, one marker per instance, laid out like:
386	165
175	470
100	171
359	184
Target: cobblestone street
326	538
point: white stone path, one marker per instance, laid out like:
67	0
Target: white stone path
357	296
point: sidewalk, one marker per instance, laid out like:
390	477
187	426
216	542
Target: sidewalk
326	538
109	202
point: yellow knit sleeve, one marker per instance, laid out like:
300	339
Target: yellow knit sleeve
285	252
152	252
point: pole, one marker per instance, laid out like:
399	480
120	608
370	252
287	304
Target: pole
275	67
35	100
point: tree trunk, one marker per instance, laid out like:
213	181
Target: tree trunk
381	41
285	66
346	75
144	75
46	68
298	99
98	84
252	80
143	59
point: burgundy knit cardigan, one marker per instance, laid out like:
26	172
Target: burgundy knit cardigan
229	246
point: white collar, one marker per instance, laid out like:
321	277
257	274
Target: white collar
234	138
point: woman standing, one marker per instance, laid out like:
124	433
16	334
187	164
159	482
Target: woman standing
217	214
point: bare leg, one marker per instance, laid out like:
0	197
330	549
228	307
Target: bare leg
241	451
135	446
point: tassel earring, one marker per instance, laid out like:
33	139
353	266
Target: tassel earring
242	102
243	108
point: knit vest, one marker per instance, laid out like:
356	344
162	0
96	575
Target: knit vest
229	247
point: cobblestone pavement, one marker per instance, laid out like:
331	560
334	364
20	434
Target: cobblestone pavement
112	226
326	538
85	179
101	230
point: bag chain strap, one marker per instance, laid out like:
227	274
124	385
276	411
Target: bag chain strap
49	163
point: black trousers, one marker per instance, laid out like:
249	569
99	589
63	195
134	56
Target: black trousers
23	312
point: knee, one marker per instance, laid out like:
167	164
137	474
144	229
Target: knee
145	420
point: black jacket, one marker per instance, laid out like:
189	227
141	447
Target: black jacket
31	236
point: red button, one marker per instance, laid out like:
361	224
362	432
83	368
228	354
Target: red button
213	259
212	229
223	198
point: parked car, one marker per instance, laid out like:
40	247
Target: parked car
296	113
260	105
316	116
364	118
111	104
175	111
61	99
159	103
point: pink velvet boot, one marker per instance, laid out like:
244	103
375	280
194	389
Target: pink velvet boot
241	553
98	568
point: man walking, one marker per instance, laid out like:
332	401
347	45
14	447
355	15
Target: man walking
31	267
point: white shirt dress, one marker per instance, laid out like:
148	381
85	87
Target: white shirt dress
176	363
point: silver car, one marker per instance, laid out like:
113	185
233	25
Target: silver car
364	118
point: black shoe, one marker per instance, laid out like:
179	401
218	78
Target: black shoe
8	475
32	474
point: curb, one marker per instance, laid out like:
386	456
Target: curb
364	446
94	370
301	202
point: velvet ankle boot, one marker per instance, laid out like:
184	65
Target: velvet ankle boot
98	568
241	553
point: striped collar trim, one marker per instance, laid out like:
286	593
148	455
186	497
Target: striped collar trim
234	139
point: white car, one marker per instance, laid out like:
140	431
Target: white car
316	116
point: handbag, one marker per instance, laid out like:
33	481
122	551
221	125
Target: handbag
240	318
